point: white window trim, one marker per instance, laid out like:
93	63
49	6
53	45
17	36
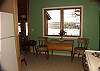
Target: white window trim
64	7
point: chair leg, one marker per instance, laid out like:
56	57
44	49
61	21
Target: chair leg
72	56
78	55
36	52
47	54
52	52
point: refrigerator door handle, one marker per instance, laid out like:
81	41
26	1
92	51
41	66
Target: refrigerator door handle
6	37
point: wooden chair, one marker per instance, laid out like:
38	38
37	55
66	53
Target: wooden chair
29	43
85	63
42	47
81	47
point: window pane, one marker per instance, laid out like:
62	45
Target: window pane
72	22
19	27
54	22
26	24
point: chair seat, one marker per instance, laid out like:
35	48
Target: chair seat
42	49
78	50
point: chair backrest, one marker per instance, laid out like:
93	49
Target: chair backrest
83	42
42	43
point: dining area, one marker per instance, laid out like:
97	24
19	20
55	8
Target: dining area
76	47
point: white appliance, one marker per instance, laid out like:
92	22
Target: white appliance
8	58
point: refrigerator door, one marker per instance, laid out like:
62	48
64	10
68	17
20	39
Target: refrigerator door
6	25
0	51
8	55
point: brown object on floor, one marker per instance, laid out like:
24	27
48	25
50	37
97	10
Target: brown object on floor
23	59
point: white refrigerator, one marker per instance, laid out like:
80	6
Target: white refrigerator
8	57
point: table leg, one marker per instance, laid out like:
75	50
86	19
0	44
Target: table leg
52	52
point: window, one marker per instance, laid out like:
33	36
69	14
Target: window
26	28
19	27
26	25
68	19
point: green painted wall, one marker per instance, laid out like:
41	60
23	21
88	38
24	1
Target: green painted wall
90	18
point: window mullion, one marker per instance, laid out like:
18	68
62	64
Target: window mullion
62	19
46	23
